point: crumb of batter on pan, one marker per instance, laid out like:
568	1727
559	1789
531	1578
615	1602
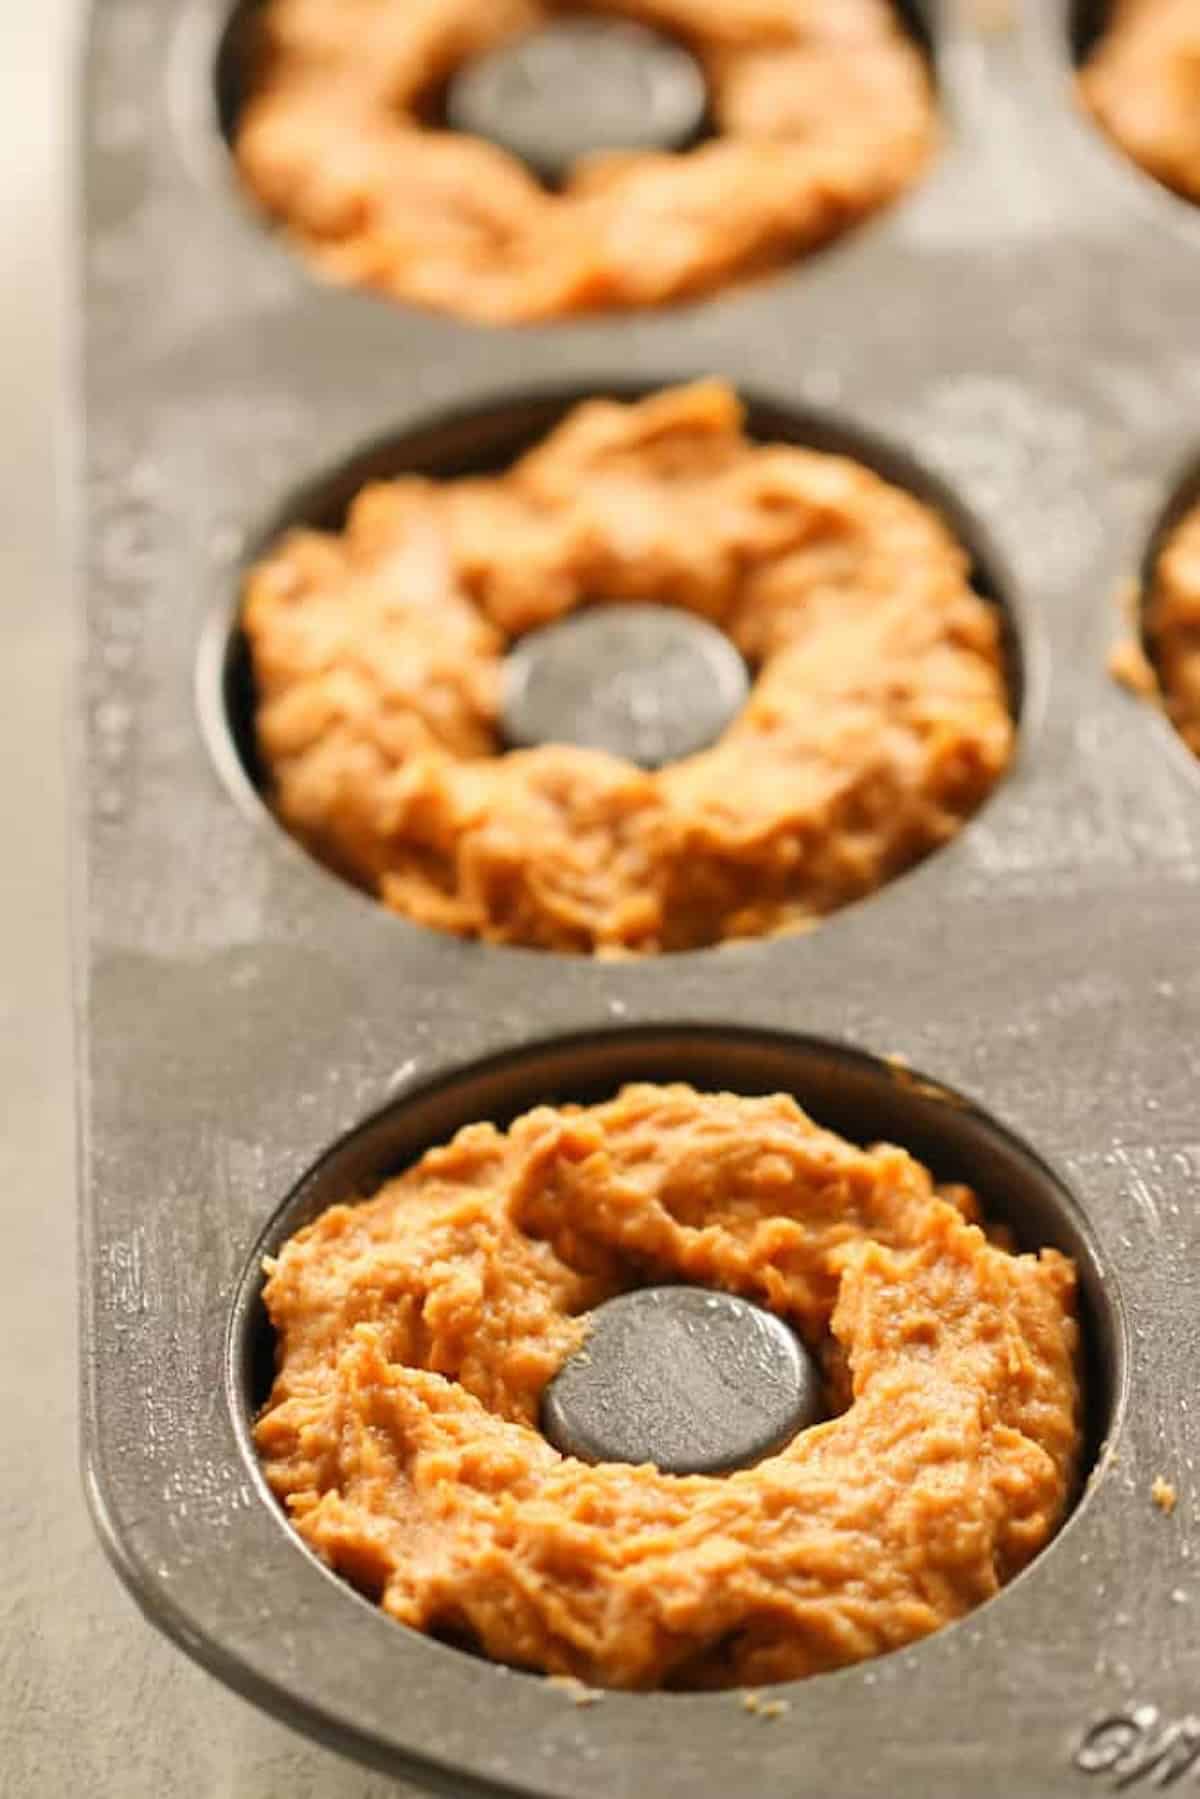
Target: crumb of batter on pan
1164	1495
767	1709
575	1689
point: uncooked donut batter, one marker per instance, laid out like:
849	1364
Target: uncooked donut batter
418	1330
1172	627
1142	84
823	114
878	721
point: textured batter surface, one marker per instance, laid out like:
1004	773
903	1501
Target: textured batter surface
417	1331
1142	84
823	114
878	721
1172	627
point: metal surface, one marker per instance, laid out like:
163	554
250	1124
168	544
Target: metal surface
579	87
1023	333
693	1381
94	1703
643	682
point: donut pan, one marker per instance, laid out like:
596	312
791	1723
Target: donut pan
1020	340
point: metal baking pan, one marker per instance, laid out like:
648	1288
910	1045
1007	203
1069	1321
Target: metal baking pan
1019	340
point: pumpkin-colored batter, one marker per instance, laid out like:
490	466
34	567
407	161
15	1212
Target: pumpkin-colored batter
1142	84
878	722
417	1331
1171	622
824	115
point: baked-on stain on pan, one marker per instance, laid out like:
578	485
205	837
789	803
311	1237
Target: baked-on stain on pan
1018	327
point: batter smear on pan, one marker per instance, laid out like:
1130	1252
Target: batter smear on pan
822	114
416	1333
877	723
1142	85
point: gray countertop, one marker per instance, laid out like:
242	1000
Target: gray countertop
95	1703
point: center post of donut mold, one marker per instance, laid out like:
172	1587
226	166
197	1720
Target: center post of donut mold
688	1380
647	683
578	88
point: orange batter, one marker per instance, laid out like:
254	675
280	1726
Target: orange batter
1172	626
878	722
823	111
1142	84
417	1331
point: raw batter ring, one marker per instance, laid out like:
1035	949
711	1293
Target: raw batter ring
1141	83
879	720
1171	626
824	115
417	1331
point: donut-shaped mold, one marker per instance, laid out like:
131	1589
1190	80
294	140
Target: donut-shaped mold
817	117
879	719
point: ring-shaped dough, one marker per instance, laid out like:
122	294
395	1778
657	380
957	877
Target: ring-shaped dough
878	721
417	1331
1171	617
823	114
1141	82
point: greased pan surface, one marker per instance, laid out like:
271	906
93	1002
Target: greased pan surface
1023	333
